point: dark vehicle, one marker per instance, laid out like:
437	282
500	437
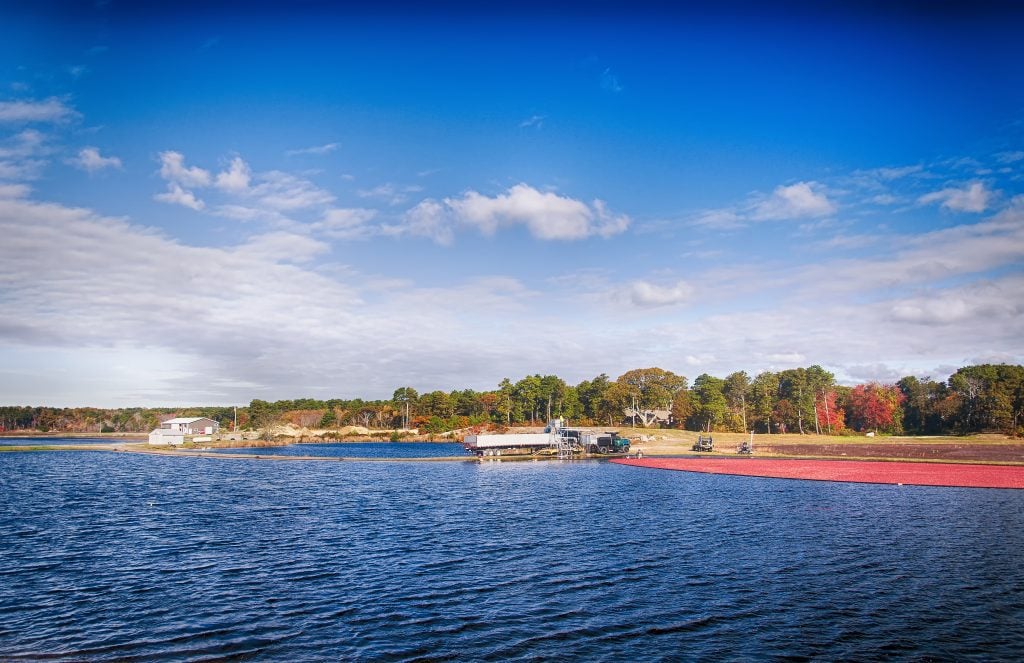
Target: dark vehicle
592	442
704	443
609	443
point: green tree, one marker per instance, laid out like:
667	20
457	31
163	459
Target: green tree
709	404
591	393
765	394
654	387
736	391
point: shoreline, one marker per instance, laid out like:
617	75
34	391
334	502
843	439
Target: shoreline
657	460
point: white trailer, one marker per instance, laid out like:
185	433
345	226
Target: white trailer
488	445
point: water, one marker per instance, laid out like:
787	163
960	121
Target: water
43	441
122	556
360	450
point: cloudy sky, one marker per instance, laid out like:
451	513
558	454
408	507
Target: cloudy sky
209	206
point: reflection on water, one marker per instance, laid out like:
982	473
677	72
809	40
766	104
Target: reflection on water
114	556
360	450
45	441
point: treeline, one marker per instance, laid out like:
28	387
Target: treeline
801	400
988	397
101	420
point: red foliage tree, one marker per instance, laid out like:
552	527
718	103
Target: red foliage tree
875	406
830	415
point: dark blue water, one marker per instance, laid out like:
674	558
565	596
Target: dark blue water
124	556
360	450
41	441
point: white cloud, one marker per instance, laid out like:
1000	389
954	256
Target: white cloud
22	156
13	190
722	219
277	247
972	197
24	169
236	178
346	223
272	322
89	159
995	301
547	215
25	143
1010	157
893	173
607	223
173	169
50	110
848	242
430	219
791	358
316	150
389	192
802	200
244	213
796	201
283	192
645	294
175	195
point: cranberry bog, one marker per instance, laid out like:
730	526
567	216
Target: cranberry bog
858	471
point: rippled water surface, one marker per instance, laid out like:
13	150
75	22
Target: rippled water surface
122	556
23	441
360	450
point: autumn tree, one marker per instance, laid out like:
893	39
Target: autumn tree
830	417
682	409
875	406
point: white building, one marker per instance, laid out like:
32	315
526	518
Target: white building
173	431
165	436
192	425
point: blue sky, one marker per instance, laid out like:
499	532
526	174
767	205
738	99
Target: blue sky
213	205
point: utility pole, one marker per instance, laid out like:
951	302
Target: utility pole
828	418
234	426
800	409
743	411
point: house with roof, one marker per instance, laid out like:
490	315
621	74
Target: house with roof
178	430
